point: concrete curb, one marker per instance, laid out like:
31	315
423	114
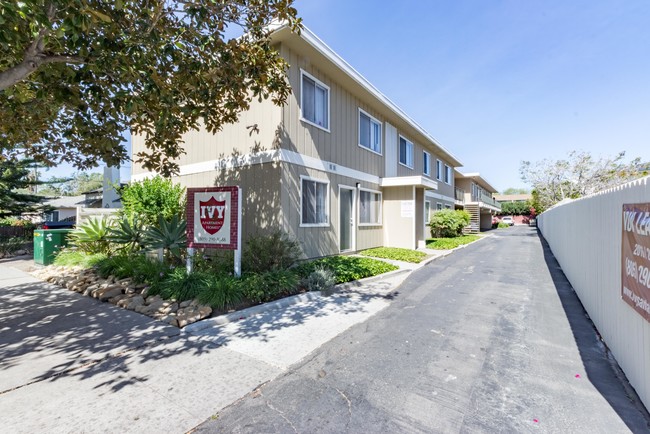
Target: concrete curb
250	311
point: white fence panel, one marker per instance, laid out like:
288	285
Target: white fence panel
84	214
585	236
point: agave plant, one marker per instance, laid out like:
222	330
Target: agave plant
92	236
168	235
128	234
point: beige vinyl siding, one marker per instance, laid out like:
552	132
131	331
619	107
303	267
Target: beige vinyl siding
322	241
398	230
341	144
443	188
255	131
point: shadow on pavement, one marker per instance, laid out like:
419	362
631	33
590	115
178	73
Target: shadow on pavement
600	366
47	331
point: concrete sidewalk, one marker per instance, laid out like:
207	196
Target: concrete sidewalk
69	363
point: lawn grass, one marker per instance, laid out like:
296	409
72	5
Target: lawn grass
346	268
450	243
395	253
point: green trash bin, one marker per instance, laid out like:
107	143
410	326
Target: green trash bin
47	243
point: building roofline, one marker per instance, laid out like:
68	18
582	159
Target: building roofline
478	176
320	46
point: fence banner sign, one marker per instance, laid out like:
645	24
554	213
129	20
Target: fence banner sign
635	266
213	217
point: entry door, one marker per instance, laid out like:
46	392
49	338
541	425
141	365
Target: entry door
346	218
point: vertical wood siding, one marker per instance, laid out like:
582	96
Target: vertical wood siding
585	237
260	192
255	131
322	241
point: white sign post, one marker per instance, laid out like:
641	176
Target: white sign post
214	221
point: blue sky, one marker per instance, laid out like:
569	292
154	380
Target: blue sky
498	82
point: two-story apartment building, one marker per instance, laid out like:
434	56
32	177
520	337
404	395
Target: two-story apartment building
340	167
474	194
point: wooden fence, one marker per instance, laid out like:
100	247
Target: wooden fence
7	232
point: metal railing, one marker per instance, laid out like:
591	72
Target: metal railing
489	200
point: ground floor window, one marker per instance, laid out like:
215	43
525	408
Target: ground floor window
438	206
369	207
314	204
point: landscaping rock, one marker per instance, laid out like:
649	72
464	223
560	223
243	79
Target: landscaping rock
118	298
110	292
125	294
135	302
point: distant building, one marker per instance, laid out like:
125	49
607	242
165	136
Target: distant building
513	197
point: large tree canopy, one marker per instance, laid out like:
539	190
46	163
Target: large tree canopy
578	175
76	74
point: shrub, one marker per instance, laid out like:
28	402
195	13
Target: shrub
168	235
139	267
395	253
222	293
346	268
120	266
447	223
263	287
75	258
92	236
215	261
128	235
274	251
503	225
10	245
151	198
180	286
321	279
16	222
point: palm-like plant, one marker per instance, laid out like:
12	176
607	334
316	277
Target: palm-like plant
92	236
168	235
128	234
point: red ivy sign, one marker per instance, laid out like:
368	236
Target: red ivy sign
212	217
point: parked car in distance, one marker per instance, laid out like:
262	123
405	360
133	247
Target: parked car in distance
508	220
57	225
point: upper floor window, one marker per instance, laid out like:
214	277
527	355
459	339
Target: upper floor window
314	209
439	170
405	152
315	101
427	163
369	132
447	174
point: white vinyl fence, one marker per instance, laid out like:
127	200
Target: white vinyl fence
84	214
585	236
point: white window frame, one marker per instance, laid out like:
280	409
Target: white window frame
426	163
381	207
399	151
378	122
438	206
327	202
447	175
427	212
447	206
319	83
438	170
